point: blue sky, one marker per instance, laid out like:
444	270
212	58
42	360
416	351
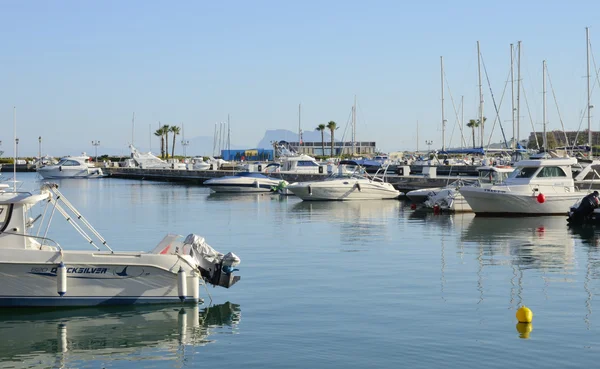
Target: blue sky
77	70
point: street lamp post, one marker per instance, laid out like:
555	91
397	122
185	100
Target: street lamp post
40	147
184	143
429	143
96	144
16	149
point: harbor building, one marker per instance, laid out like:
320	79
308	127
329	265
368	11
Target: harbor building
316	148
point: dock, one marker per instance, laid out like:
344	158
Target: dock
403	183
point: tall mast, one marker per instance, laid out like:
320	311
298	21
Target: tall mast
518	90
512	94
354	127
462	119
299	125
545	140
15	147
589	97
480	93
215	140
443	120
228	136
132	127
417	136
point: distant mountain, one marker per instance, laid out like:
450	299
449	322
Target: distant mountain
287	135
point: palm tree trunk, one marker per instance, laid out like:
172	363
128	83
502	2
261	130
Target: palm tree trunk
323	141
167	144
162	147
173	148
473	130
332	143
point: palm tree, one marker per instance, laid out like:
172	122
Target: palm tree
175	130
159	133
473	124
166	129
321	128
332	127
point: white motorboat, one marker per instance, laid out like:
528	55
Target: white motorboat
71	167
350	183
37	271
244	182
422	194
299	164
449	199
535	187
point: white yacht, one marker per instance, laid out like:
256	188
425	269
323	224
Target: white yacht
449	199
37	271
244	182
535	187
350	183
71	167
299	164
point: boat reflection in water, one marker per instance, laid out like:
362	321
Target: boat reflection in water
530	242
363	222
62	338
243	197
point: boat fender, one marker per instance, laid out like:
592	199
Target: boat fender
60	168
358	187
195	286
181	284
256	184
541	198
309	190
61	279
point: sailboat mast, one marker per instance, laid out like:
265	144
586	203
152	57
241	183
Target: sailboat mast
299	125
354	127
462	119
480	93
512	93
518	90
417	137
132	128
545	140
15	148
589	97
443	118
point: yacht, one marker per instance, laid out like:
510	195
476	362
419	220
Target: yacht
535	187
299	164
71	167
449	199
351	182
37	272
244	182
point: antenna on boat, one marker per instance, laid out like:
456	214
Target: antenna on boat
15	148
544	103
480	93
443	118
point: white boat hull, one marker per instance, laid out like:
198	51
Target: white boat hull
489	202
343	191
93	278
449	200
56	173
235	184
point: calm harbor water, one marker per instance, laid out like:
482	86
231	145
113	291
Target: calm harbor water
327	285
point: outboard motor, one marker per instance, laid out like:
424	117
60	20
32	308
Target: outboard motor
583	213
216	268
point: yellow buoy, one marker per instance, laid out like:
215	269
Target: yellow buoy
524	315
524	329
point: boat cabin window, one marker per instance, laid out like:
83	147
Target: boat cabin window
526	172
551	172
305	163
68	163
491	176
4	216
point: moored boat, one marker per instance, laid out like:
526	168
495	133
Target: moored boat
350	183
243	182
37	271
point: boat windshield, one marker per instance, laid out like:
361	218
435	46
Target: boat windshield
68	163
525	172
491	176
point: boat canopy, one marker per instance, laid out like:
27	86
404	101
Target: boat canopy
477	150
